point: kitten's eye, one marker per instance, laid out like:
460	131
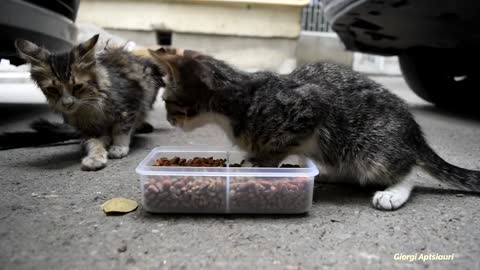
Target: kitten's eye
52	90
77	87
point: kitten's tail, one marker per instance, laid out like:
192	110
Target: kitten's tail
446	172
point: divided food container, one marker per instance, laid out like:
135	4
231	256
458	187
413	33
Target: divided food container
224	189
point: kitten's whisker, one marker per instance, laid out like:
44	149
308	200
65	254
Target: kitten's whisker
41	75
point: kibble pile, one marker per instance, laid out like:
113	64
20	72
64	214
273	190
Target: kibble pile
185	194
194	162
209	193
269	194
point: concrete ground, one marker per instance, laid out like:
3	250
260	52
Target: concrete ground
50	216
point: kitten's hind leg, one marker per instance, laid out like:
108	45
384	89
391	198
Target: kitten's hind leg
394	196
96	158
121	143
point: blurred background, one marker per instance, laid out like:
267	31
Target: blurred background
429	45
274	35
252	35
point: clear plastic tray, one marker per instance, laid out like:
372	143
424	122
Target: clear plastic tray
224	189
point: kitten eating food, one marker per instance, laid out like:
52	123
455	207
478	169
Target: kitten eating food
105	96
348	123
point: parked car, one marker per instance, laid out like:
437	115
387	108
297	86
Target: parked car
49	23
437	42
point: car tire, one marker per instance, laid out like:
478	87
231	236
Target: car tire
442	77
67	8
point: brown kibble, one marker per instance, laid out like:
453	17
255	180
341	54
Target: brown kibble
191	194
195	162
207	193
175	160
153	188
159	186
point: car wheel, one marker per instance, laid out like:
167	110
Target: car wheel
445	78
67	8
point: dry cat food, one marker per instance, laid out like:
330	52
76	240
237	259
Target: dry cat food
193	179
269	194
184	193
194	162
203	162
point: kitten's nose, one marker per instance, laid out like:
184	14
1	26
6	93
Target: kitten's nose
67	102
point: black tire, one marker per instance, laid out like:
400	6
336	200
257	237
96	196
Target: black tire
67	8
445	78
23	20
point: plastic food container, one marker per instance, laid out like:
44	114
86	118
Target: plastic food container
224	189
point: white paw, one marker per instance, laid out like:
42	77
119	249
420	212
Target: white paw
388	200
93	163
118	151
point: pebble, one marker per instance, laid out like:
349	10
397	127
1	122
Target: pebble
122	248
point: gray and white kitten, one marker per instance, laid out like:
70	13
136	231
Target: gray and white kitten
105	96
348	123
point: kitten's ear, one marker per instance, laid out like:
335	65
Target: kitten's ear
168	50
161	50
191	53
30	52
197	71
179	52
175	64
167	63
85	51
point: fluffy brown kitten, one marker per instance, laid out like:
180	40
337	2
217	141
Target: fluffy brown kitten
105	96
351	125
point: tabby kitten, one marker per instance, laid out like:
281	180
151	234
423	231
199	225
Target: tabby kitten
348	123
105	96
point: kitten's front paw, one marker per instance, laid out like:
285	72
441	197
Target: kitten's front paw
388	200
92	163
118	151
